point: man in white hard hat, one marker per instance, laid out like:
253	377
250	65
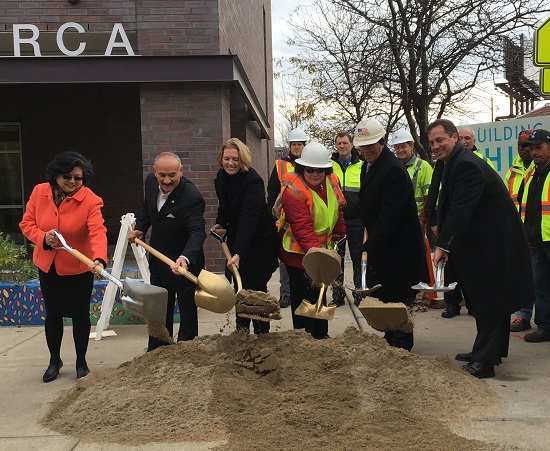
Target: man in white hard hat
394	246
296	141
346	164
420	171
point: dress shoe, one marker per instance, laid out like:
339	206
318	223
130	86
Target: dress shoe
538	336
451	311
464	357
82	371
337	303
52	372
520	324
480	370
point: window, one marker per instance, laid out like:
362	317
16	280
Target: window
11	186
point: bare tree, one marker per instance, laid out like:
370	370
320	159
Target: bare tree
442	49
344	65
405	61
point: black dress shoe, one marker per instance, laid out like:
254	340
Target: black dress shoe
337	303
52	372
464	357
480	370
82	371
451	311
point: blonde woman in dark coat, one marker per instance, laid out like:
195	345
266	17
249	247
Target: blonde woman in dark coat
243	212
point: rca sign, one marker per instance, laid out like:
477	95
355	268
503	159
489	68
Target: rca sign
71	39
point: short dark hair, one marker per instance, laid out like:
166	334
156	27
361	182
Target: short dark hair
448	126
65	162
342	135
300	169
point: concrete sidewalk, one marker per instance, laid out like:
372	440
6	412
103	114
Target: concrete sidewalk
522	381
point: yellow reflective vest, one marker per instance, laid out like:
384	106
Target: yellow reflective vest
420	173
283	167
545	203
514	178
323	216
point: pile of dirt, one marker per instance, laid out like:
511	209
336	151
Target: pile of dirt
278	391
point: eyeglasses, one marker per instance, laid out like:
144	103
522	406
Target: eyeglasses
312	170
77	178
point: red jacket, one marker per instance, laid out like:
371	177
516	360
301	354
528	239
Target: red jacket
78	219
297	213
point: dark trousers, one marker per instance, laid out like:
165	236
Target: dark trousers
189	324
354	230
492	340
302	288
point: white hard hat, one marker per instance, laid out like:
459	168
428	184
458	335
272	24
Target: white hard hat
401	136
368	131
315	155
297	135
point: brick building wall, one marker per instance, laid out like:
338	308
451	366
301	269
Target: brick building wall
185	120
192	119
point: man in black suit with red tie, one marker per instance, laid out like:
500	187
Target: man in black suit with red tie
174	209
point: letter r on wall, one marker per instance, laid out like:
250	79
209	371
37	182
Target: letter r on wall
18	40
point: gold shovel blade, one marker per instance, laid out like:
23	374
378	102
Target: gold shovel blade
214	293
310	310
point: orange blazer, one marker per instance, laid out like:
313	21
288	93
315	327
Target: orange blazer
78	219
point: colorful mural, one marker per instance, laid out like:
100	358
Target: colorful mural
23	305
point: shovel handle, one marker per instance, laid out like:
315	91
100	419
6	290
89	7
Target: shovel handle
233	268
80	256
167	260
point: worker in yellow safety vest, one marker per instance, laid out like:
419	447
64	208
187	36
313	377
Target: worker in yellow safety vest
296	141
312	212
534	201
520	166
420	171
346	164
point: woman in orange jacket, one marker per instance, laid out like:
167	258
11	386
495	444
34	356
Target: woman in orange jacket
65	204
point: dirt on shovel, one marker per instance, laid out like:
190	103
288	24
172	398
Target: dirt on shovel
386	316
320	268
257	305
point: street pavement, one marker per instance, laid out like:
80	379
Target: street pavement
522	381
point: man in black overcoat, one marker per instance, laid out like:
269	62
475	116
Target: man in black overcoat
174	209
395	246
481	236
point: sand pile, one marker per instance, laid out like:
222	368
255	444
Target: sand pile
278	391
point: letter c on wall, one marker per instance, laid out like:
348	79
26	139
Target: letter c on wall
60	43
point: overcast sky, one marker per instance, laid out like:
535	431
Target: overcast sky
280	12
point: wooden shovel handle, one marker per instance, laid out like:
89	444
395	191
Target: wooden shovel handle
80	256
233	268
167	260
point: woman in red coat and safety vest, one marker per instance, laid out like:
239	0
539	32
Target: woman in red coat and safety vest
312	204
64	203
